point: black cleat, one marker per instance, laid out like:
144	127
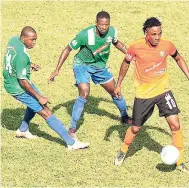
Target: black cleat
126	120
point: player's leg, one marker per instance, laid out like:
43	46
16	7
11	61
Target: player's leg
168	108
29	114
119	102
82	78
51	120
105	79
56	125
79	104
23	130
142	110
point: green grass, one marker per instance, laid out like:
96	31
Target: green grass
46	162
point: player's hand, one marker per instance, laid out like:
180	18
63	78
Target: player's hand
43	101
35	67
117	91
52	76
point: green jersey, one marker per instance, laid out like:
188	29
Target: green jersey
94	50
16	66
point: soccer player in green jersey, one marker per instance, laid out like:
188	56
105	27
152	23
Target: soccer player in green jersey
16	72
90	63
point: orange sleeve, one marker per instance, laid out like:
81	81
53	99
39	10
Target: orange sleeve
130	54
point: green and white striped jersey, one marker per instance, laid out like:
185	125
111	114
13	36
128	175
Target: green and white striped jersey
16	66
94	50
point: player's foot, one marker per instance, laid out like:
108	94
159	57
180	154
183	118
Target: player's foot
119	158
26	134
78	145
183	168
126	119
72	133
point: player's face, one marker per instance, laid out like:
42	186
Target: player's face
153	35
103	25
29	40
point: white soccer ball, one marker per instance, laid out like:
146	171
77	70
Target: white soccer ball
169	154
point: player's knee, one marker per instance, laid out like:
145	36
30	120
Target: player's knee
175	126
135	129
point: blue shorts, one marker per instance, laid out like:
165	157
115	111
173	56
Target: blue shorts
83	74
29	100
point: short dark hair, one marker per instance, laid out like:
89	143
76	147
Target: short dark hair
151	22
27	30
102	14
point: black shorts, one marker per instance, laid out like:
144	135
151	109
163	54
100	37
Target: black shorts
143	108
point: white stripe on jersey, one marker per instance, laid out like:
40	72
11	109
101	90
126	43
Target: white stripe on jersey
91	37
115	36
25	51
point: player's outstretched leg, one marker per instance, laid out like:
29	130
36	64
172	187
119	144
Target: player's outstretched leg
23	130
76	114
60	129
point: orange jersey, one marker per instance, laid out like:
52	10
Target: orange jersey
150	67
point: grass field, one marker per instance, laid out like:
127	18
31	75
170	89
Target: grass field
45	162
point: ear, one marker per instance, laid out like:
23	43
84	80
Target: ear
22	38
145	33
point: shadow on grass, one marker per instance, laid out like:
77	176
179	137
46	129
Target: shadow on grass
165	168
12	118
92	107
143	139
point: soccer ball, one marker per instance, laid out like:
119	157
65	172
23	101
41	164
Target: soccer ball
169	154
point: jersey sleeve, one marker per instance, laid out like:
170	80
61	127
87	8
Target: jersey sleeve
130	54
21	62
172	49
78	41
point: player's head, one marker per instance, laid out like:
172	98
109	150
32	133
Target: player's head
102	22
152	30
28	36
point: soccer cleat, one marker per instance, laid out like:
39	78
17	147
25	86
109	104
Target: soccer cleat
183	168
72	133
25	134
119	158
126	119
78	145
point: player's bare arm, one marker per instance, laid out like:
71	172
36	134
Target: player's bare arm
123	70
181	63
26	85
61	60
120	46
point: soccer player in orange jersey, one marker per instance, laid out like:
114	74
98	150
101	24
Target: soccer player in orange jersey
151	82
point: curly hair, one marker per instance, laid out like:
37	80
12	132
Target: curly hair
151	22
